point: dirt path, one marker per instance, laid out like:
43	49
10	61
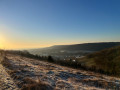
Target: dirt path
6	83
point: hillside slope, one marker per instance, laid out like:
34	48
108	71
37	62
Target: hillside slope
107	61
27	72
86	47
6	82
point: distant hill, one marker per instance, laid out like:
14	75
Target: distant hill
85	47
107	61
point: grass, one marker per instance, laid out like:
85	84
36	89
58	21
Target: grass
106	61
27	83
34	85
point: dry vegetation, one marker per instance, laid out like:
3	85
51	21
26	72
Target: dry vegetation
106	61
31	74
6	82
35	85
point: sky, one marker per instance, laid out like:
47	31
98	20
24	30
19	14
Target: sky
42	23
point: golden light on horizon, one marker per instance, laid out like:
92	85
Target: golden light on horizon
7	43
2	40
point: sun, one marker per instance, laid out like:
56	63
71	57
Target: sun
2	41
1	45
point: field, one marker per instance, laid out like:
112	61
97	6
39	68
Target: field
27	73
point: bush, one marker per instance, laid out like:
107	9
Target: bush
50	59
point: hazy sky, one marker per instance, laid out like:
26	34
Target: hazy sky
41	23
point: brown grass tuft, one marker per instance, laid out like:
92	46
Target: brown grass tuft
33	85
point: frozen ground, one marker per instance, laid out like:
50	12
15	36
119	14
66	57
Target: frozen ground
58	77
6	82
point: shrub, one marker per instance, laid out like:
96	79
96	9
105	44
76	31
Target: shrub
50	59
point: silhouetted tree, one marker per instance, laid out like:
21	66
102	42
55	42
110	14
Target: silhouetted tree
50	59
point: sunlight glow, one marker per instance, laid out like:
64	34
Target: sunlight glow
2	40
